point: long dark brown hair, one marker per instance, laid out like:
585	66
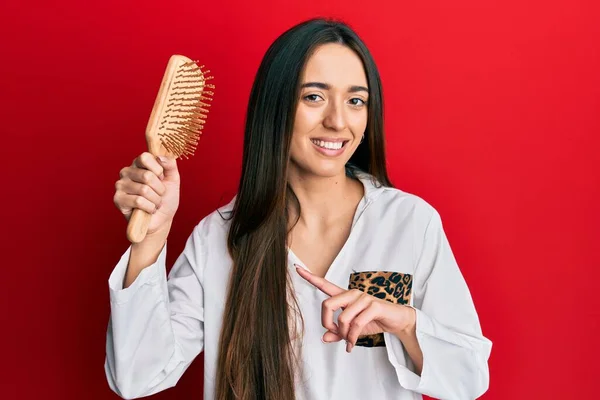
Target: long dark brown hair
256	358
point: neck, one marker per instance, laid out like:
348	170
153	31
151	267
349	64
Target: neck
323	199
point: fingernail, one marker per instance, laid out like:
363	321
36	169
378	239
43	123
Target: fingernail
323	339
162	159
349	347
162	176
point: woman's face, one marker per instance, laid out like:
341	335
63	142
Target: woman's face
331	116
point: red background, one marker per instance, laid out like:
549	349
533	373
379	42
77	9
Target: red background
491	115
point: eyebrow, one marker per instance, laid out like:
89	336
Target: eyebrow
325	86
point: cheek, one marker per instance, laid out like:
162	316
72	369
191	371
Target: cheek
306	119
358	122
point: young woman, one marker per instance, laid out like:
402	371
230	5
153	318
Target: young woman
319	280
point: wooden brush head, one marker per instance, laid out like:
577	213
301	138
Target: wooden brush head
180	109
176	122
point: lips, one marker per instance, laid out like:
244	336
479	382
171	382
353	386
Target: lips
330	145
331	139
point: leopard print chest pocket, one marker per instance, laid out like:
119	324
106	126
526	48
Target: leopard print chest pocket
395	287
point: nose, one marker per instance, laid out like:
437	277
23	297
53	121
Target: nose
334	117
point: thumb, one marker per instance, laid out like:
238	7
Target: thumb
169	165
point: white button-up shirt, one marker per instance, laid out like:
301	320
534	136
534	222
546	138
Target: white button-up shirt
396	249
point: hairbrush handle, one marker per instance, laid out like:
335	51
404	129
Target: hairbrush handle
137	228
176	122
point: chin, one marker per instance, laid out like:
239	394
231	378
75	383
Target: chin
319	167
327	170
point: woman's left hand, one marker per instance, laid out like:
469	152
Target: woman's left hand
363	314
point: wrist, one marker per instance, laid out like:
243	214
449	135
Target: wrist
152	244
160	234
409	324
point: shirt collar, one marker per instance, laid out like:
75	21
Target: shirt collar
373	188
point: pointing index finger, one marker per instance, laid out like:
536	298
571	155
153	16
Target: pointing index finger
320	283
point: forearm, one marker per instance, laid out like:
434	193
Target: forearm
144	254
408	337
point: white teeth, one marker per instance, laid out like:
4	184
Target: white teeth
328	145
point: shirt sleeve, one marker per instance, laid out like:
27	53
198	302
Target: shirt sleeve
156	326
455	353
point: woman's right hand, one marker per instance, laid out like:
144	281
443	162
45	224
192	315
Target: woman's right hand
150	185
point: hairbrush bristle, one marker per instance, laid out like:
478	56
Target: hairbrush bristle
187	108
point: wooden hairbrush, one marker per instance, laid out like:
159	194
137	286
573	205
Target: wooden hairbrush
176	122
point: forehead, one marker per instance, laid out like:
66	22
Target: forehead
336	65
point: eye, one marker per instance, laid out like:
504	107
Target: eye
312	98
357	101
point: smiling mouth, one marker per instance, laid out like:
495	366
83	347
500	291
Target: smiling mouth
329	145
